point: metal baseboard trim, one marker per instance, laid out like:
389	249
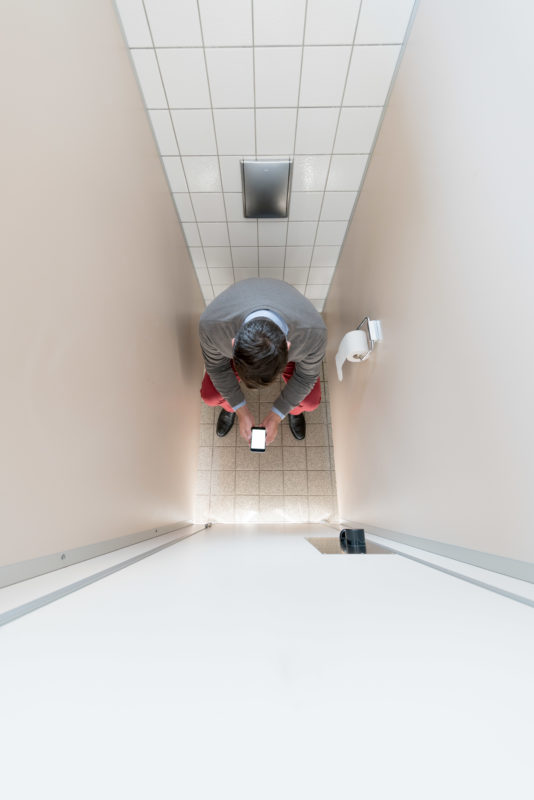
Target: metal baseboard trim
33	605
24	570
521	570
510	595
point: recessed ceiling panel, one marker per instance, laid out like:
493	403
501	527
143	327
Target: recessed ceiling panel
265	188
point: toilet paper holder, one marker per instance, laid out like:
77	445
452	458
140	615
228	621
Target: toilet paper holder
373	333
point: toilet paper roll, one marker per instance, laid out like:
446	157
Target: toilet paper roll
353	347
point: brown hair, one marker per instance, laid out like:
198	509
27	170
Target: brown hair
260	352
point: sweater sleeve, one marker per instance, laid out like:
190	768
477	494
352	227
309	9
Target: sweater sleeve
219	368
304	378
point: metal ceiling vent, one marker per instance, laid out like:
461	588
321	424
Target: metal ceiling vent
266	187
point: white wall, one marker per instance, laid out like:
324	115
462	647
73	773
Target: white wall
99	301
434	434
251	666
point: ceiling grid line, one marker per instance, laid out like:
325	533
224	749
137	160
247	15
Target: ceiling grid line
217	151
181	160
333	145
241	46
296	128
255	118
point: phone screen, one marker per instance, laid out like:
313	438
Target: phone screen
257	441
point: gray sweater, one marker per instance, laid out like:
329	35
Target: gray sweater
224	316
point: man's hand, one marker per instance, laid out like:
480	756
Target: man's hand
271	423
246	422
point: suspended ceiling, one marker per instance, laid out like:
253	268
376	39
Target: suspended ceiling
227	79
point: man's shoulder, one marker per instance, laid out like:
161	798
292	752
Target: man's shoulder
243	297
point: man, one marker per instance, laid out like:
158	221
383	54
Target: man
246	333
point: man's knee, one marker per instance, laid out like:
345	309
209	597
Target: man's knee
209	393
311	402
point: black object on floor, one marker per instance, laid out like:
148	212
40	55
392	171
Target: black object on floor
225	422
297	425
352	540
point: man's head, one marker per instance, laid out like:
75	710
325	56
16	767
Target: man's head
260	352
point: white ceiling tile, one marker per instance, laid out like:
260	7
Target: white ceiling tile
296	275
134	22
184	208
147	70
234	206
301	287
175	174
272	233
164	133
331	233
174	24
383	21
274	272
194	131
277	71
318	303
321	275
203	276
221	275
243	234
174	65
245	257
279	22
309	173
271	257
213	234
317	291
298	256
370	75
231	77
338	205
207	293
227	23
202	173
245	273
197	257
218	257
217	290
209	207
331	21
300	233
346	173
325	256
235	130
316	129
275	131
356	130
231	172
305	206
324	70
191	234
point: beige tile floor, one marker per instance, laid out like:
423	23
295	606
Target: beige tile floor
293	481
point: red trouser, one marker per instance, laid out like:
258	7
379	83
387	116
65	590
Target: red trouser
211	396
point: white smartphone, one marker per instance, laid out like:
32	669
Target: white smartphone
257	440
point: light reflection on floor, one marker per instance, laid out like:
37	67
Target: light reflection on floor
291	482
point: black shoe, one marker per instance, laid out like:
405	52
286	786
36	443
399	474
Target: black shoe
225	422
297	425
